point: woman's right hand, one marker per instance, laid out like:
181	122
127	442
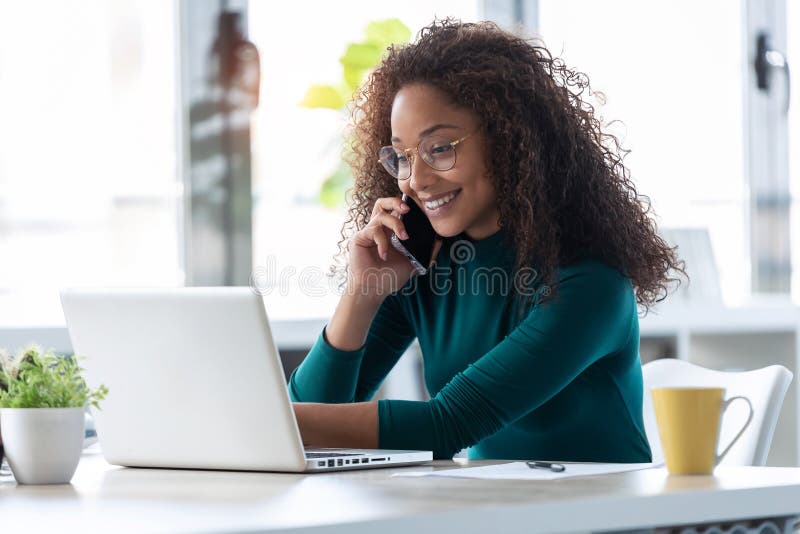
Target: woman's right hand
375	267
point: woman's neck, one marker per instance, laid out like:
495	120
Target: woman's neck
482	230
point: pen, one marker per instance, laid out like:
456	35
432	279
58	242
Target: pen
556	468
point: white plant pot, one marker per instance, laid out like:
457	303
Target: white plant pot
42	445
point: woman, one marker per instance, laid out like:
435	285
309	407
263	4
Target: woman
489	135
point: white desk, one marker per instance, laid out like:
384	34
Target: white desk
103	498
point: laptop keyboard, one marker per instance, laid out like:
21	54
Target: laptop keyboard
329	454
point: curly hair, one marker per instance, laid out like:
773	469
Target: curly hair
562	189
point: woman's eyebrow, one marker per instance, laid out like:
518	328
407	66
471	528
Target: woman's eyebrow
429	131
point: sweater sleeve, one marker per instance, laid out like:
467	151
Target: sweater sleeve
331	375
589	317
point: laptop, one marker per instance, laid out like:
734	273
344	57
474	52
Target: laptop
195	381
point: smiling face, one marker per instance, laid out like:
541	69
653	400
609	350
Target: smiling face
461	199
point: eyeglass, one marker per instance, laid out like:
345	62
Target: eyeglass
437	151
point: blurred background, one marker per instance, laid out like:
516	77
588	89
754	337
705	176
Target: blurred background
171	143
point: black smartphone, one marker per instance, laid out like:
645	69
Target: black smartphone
418	248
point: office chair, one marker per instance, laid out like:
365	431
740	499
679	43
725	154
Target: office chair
764	387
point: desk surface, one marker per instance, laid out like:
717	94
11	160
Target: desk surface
104	498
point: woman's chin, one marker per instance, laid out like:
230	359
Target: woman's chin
447	230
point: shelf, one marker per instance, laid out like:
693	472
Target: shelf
717	319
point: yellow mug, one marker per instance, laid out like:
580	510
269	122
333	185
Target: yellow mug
688	424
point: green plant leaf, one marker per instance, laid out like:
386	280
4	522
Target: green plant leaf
358	60
323	96
364	55
45	380
334	188
386	32
353	76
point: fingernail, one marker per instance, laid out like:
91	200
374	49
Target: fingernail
385	255
404	234
404	207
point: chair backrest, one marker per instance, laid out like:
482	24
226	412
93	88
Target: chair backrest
764	387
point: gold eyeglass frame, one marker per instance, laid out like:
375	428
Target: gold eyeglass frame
415	150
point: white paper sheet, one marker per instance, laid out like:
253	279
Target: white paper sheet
521	471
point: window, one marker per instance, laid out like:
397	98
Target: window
672	73
89	193
793	53
705	148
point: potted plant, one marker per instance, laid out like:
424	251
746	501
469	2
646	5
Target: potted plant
42	402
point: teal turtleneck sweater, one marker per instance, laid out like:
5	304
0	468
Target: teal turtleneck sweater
555	379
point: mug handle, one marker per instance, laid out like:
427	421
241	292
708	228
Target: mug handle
725	404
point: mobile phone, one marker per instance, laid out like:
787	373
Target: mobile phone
418	248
